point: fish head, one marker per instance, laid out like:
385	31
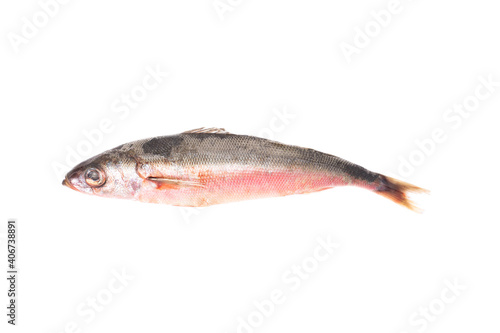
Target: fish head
110	174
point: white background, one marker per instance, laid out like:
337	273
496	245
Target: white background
199	270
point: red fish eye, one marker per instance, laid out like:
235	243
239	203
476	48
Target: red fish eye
94	177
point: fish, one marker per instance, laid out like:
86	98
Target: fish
210	166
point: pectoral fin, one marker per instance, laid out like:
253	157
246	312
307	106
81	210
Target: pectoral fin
170	183
162	180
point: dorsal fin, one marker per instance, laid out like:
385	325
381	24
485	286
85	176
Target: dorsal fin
213	130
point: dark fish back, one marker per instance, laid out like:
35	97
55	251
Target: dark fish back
211	148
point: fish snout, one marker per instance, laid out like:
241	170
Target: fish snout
72	180
68	183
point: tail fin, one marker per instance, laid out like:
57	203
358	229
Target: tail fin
397	190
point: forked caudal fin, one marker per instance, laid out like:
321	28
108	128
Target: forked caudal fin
397	191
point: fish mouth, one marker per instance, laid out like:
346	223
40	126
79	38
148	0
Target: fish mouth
67	183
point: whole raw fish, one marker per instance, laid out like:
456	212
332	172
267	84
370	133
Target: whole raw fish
205	167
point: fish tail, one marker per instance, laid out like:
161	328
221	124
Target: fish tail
397	191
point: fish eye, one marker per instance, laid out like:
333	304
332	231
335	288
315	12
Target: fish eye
94	177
